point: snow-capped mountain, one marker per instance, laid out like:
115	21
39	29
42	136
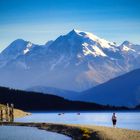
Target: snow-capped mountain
75	61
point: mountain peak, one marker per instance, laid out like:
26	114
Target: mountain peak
128	46
16	48
83	34
16	45
127	43
90	36
18	41
74	32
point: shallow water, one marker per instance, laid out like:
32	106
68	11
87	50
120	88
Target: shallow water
129	120
28	133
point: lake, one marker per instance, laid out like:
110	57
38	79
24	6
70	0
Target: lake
28	133
129	120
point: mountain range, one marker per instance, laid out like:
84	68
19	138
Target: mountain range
120	91
67	94
76	61
123	90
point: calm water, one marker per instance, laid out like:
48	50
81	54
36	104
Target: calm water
129	120
28	133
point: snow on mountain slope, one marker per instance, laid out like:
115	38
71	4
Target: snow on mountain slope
12	51
134	47
104	43
16	49
86	43
75	61
130	48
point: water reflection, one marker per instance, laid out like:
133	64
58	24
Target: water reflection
28	133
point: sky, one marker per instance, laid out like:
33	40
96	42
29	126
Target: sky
41	20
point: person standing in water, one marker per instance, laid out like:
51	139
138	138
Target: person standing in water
114	120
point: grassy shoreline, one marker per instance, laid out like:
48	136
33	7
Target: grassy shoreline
84	132
78	132
17	112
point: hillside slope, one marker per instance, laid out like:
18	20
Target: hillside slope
45	102
121	91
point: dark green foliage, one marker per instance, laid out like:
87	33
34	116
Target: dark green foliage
45	102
